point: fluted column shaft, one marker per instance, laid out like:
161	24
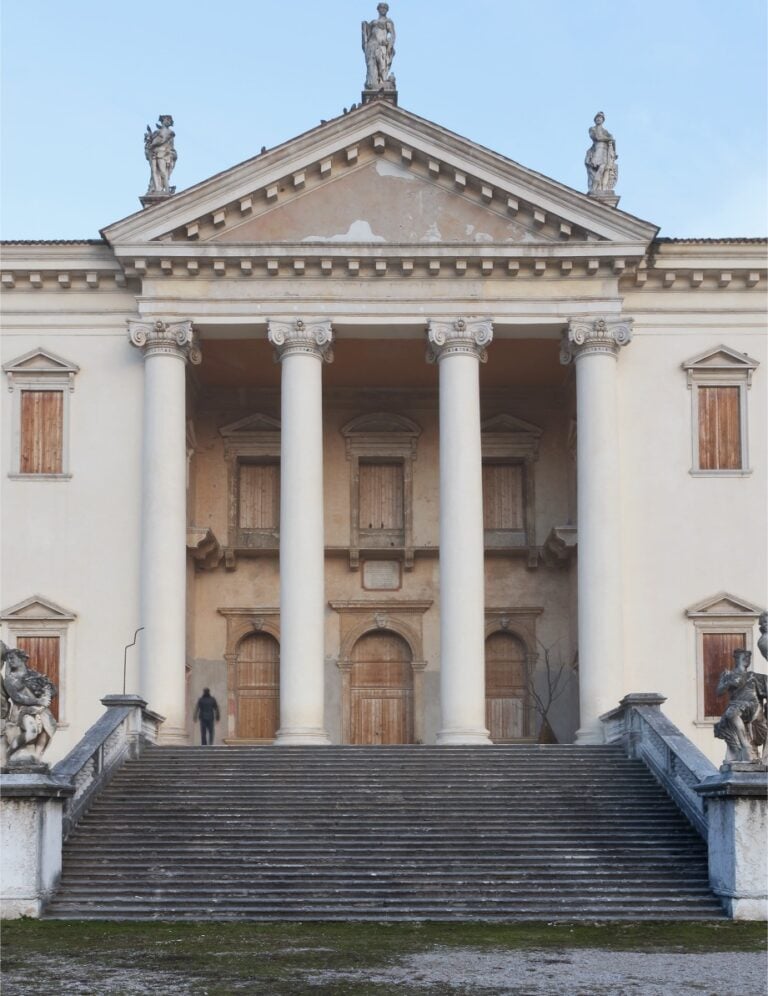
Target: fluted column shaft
163	593
301	348
458	348
594	345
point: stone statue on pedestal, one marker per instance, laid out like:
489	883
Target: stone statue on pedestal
602	170
161	156
743	725
379	48
27	722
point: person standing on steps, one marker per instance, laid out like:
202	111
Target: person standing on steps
207	710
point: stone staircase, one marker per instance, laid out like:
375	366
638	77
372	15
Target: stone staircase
384	833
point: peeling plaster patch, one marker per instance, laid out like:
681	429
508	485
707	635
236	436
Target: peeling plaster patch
385	168
433	234
483	237
359	231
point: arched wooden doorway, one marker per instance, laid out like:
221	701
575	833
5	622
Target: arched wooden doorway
506	695
257	688
381	690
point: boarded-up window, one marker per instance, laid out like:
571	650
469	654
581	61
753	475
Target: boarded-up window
259	496
718	657
381	496
503	496
43	657
42	432
719	428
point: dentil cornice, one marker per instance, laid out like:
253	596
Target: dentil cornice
169	338
597	335
469	336
312	337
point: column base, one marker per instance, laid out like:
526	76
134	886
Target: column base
590	734
172	736
301	736
457	738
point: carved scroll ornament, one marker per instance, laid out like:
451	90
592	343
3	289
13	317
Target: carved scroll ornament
170	338
468	336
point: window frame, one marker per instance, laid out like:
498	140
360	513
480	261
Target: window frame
726	614
507	439
251	440
381	437
720	367
40	370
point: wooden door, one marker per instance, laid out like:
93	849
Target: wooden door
381	690
257	689
43	657
506	696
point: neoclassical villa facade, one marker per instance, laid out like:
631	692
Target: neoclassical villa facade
379	435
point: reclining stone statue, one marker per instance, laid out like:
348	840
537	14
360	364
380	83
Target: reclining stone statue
27	724
743	725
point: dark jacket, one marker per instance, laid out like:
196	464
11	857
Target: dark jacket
207	707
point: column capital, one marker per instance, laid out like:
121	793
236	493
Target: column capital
313	337
468	336
594	335
168	338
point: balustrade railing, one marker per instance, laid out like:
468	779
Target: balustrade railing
639	724
119	735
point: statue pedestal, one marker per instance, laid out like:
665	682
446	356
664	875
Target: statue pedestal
611	200
149	200
384	93
31	816
737	815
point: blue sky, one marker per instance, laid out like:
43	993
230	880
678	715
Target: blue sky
683	84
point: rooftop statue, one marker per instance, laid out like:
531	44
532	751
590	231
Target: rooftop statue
161	156
27	721
379	48
743	725
602	171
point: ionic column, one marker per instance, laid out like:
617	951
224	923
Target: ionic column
167	347
458	347
301	348
594	345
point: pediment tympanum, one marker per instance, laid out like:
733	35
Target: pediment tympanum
36	608
379	175
723	605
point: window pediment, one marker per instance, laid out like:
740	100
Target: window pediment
37	607
40	363
723	362
723	605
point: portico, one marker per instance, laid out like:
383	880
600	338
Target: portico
463	470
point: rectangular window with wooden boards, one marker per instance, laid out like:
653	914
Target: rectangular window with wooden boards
41	447
719	410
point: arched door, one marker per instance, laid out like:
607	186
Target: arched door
381	690
506	695
257	688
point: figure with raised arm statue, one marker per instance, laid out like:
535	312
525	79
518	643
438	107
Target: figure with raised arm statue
161	155
602	171
743	725
379	48
27	722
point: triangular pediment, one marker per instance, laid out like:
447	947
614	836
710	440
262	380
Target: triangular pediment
382	176
721	358
381	423
36	607
510	425
40	361
251	424
724	605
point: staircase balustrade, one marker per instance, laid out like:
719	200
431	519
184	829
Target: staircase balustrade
647	735
118	736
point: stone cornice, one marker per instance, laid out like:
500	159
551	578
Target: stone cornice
598	335
467	336
165	338
311	337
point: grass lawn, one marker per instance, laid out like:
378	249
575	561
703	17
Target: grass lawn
292	958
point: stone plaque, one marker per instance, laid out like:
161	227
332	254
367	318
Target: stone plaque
381	575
